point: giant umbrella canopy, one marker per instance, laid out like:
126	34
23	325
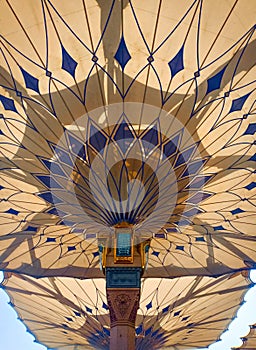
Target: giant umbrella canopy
175	314
127	138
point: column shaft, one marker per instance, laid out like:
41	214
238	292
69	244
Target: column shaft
123	305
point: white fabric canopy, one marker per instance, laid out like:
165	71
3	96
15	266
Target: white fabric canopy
127	111
60	62
180	313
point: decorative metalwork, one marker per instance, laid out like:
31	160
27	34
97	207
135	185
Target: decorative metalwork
123	277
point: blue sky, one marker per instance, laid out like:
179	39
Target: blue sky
15	337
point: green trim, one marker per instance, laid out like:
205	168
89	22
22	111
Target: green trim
123	277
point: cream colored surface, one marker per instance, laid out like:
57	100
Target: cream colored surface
66	312
225	36
249	341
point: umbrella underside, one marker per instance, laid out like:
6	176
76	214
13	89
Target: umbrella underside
117	113
68	313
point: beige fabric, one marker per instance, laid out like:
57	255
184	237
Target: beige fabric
249	341
65	313
221	236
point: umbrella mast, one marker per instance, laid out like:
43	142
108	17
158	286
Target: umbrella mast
123	262
123	305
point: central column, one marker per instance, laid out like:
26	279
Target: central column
123	306
123	295
123	262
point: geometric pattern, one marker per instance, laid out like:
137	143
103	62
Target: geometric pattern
174	313
88	60
64	69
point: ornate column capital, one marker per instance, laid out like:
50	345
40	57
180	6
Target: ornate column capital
123	305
